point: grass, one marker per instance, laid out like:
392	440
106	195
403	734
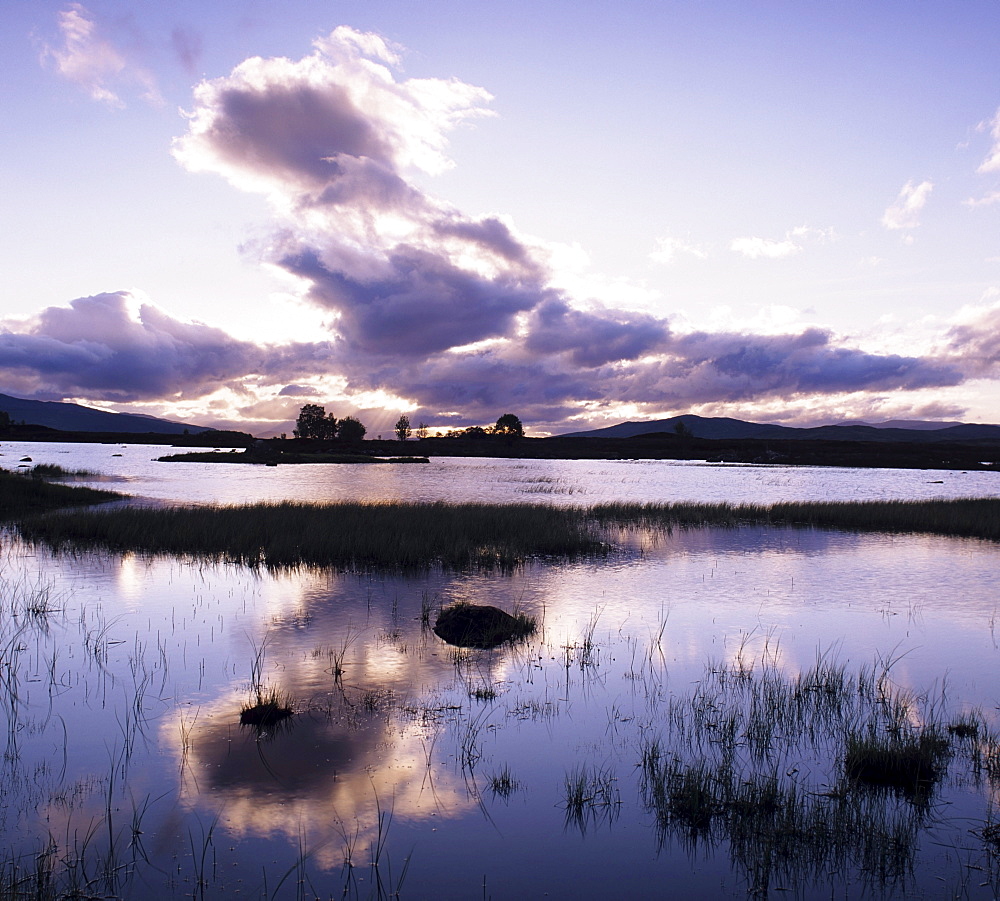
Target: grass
907	762
54	471
23	495
968	517
351	535
404	536
590	795
266	708
801	775
503	784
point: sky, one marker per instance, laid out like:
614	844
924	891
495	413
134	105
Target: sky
581	213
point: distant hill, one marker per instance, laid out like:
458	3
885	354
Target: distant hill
77	418
915	424
724	428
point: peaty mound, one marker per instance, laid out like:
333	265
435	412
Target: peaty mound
481	626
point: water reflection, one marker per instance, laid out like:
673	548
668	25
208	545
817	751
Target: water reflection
128	703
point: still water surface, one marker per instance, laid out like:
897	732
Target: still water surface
496	481
122	680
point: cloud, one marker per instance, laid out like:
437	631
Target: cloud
298	391
107	347
974	343
458	314
669	249
93	62
762	248
992	161
986	200
905	212
416	304
187	45
591	340
458	317
303	127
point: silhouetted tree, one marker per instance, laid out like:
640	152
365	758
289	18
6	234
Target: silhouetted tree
311	422
402	427
422	430
509	425
351	429
315	422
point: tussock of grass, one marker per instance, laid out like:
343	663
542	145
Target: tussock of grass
266	708
903	761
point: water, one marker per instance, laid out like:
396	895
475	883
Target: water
568	482
123	678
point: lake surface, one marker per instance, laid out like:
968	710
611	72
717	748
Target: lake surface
459	479
415	769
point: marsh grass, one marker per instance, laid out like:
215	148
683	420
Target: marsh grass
55	472
350	535
903	761
967	517
591	796
268	707
21	495
502	784
404	536
799	775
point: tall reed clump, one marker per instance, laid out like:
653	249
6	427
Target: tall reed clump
355	535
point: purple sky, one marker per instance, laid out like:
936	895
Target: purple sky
219	212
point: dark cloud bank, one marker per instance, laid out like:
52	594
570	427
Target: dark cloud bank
453	312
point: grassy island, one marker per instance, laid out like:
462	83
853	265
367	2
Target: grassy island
272	458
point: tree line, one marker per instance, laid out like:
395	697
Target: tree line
314	422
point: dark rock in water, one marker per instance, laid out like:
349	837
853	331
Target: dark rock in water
26	459
481	626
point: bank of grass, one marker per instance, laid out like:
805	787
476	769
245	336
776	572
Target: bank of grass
405	536
963	517
354	535
24	495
